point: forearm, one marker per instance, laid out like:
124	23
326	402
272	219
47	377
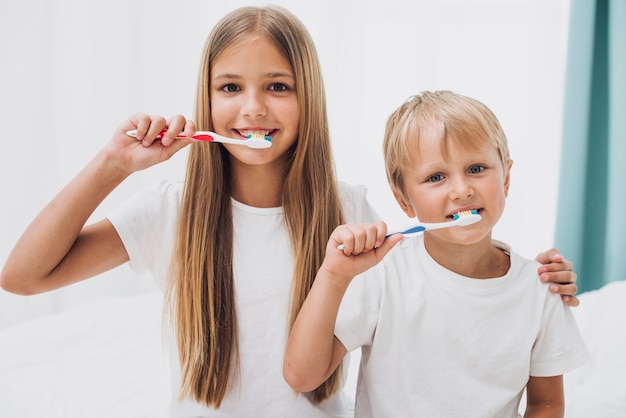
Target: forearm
545	398
313	352
544	410
51	235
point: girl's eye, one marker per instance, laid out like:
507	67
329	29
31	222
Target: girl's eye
278	87
475	169
230	88
435	178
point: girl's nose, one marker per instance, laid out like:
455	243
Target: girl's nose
253	105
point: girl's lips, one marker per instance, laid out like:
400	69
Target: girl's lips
244	133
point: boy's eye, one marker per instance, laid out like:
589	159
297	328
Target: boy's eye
435	178
278	87
475	169
229	88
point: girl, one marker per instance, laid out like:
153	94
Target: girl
227	244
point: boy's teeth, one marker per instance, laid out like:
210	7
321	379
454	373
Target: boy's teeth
464	213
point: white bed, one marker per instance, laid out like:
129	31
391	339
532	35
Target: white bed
105	359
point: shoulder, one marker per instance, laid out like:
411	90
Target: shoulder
167	188
355	205
348	192
523	262
165	191
518	262
160	198
524	272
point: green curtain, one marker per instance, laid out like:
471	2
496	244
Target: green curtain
591	222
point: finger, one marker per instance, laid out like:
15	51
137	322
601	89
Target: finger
556	267
568	289
572	301
190	128
562	276
555	256
381	232
365	238
343	239
354	239
140	122
157	124
550	256
175	125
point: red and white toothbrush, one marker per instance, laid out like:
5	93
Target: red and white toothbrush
257	141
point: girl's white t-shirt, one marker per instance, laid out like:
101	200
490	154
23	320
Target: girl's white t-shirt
263	265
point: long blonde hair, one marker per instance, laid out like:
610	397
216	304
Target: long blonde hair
200	290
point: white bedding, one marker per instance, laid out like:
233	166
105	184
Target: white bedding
106	359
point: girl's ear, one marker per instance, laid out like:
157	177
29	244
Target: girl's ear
507	178
406	207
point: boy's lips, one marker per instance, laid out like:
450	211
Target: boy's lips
451	216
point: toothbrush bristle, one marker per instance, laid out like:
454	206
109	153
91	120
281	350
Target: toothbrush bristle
465	213
259	136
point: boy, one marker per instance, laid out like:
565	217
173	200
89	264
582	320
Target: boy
450	325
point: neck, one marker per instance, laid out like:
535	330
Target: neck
480	260
259	186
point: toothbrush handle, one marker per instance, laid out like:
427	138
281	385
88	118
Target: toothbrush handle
413	230
424	227
199	136
133	133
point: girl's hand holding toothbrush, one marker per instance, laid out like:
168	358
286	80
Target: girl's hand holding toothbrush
135	154
363	246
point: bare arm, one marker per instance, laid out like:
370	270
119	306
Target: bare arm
545	398
560	272
313	352
57	249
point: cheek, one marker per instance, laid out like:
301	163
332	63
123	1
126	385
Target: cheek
223	110
428	213
422	205
290	111
498	194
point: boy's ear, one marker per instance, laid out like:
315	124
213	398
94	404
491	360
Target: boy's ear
406	207
507	178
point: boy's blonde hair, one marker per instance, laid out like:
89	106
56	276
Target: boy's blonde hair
201	296
461	121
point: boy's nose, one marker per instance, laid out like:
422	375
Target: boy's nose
461	189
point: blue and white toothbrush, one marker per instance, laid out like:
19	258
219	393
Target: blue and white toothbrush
462	218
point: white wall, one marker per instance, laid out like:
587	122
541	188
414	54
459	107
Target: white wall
71	71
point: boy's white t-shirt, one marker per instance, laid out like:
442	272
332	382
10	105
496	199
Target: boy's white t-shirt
437	344
263	266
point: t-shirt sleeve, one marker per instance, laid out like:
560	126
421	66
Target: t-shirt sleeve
559	347
146	224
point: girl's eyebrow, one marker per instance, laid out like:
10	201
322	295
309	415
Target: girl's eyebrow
229	76
226	76
278	75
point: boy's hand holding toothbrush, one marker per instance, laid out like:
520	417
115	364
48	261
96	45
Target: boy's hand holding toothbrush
148	148
362	247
